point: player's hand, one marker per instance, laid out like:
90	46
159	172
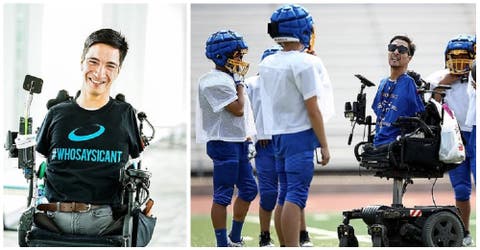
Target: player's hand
238	79
325	155
449	79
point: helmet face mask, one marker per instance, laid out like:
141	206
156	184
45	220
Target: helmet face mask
459	62
235	65
459	54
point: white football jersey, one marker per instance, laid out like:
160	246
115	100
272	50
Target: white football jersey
472	101
288	79
456	97
253	90
216	90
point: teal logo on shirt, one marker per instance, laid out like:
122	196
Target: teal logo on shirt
85	154
73	136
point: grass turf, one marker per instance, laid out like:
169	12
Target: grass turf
322	229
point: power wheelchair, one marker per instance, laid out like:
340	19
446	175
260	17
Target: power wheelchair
413	155
132	226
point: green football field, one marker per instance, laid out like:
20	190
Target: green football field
322	229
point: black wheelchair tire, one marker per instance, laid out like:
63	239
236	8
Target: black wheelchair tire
377	241
352	241
442	229
343	242
348	241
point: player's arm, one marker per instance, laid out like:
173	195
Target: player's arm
449	79
236	107
316	119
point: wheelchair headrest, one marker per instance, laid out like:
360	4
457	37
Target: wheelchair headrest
62	96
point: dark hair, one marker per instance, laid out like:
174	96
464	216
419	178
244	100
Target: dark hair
411	45
109	37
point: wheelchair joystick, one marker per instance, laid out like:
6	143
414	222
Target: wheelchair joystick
21	145
356	111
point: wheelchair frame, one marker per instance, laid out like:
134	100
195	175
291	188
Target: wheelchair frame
397	225
135	183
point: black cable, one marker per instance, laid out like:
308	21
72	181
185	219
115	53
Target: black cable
433	198
350	137
364	132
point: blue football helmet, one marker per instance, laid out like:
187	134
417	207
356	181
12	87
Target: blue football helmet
459	54
292	23
226	48
270	51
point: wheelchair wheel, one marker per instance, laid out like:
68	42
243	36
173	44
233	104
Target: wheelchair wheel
442	229
352	241
347	238
377	241
348	241
343	242
379	235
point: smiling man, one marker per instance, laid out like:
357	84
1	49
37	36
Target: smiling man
397	94
87	141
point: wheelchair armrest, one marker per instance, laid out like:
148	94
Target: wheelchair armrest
413	122
371	155
139	173
357	148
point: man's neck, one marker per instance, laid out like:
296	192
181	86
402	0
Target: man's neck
91	102
395	73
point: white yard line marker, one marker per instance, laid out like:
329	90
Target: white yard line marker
316	231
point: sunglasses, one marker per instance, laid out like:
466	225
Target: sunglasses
401	49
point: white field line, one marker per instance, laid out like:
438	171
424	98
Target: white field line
316	231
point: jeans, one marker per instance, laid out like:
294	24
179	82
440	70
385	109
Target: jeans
93	222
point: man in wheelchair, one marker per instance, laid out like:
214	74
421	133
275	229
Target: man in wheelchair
405	146
407	132
396	97
87	142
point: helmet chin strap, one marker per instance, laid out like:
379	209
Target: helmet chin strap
311	44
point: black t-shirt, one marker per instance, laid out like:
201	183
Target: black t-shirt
86	149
